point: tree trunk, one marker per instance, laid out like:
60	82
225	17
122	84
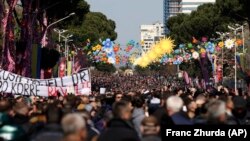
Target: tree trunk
9	52
1	27
27	37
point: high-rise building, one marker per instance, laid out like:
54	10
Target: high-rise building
187	6
150	34
170	8
174	7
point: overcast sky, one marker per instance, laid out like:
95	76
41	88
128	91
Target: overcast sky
129	15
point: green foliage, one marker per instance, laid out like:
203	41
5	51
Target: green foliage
235	9
156	68
84	25
140	70
203	22
105	67
95	26
56	9
123	68
207	19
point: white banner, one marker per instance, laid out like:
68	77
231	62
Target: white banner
72	80
77	84
35	90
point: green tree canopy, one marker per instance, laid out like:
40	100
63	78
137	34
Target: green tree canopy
105	67
56	9
203	22
95	26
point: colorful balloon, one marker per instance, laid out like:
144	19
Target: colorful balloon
194	41
239	42
107	43
181	46
177	51
229	43
221	44
204	39
190	46
116	48
195	55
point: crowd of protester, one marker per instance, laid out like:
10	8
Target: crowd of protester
134	108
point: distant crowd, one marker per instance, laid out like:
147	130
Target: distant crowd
133	108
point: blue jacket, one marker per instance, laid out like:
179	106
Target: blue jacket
181	119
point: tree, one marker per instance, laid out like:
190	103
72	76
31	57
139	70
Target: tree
56	9
205	21
95	26
32	20
141	70
235	9
123	68
156	68
32	23
105	67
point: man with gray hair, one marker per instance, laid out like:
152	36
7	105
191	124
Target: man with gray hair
174	114
74	125
216	112
174	105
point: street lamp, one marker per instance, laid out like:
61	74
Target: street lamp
235	53
66	51
60	31
222	36
71	14
243	35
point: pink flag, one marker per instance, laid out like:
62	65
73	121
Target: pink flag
186	77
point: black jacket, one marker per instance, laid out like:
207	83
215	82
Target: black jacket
119	130
51	132
151	138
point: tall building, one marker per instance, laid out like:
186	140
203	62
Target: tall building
187	6
174	7
150	34
170	8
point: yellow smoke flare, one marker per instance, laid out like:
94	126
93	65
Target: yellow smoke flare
158	50
152	55
165	46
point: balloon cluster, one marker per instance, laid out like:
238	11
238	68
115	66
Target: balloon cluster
198	49
165	46
109	52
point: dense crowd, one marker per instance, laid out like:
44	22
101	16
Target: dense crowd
135	82
134	108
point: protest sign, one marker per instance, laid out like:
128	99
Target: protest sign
102	90
16	84
35	90
72	80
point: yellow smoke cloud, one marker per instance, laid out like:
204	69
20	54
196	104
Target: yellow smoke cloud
165	46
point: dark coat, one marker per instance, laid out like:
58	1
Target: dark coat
119	130
51	132
177	119
181	119
159	113
151	138
17	132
